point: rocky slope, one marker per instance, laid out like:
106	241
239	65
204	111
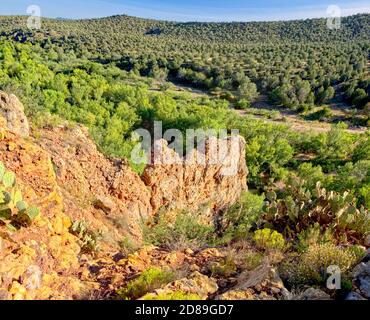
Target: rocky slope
62	172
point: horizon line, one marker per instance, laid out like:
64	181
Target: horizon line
187	21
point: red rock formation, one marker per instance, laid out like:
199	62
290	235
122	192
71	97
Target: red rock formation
189	183
105	192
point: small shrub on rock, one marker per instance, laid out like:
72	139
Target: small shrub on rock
148	281
252	260
225	268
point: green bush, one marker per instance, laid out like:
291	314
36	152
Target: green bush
226	268
311	175
184	232
269	239
148	281
242	104
239	219
321	114
354	178
252	260
310	267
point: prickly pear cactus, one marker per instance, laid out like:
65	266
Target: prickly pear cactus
14	211
298	210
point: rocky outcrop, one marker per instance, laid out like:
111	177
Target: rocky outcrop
13	112
108	194
361	280
188	183
63	173
105	192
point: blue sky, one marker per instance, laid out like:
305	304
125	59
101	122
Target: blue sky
190	10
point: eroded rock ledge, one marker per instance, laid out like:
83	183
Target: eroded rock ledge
188	183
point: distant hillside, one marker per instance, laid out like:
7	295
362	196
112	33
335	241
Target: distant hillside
104	30
297	64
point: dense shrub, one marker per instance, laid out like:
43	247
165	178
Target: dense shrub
310	267
241	217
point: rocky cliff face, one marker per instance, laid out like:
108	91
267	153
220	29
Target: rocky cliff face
188	183
62	172
104	192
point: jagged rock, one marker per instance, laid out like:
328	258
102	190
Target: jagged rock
104	203
139	260
362	279
13	112
313	294
104	192
187	183
263	283
196	283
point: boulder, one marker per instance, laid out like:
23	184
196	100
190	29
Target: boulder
313	294
362	279
196	284
263	283
13	111
354	296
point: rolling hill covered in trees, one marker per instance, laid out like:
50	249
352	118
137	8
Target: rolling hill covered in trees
299	64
